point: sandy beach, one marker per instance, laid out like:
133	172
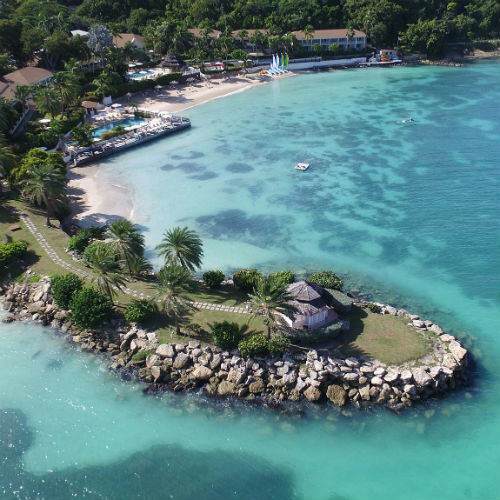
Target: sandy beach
95	199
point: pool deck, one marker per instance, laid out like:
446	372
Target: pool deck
126	141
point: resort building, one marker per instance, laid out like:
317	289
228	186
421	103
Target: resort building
23	76
325	38
312	303
122	39
202	33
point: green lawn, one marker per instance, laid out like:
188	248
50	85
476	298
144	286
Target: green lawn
382	336
227	295
196	325
36	258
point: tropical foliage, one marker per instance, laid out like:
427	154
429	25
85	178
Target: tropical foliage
12	250
246	279
213	278
63	287
139	311
326	279
90	308
226	335
127	242
107	276
182	246
270	300
173	282
254	345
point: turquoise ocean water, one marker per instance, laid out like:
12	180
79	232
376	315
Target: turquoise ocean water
408	213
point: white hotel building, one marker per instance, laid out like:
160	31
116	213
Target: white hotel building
325	38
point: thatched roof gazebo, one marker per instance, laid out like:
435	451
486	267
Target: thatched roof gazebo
312	303
173	62
91	106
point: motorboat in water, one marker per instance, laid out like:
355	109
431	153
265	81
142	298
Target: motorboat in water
302	166
409	120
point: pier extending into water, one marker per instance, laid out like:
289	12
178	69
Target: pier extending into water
156	128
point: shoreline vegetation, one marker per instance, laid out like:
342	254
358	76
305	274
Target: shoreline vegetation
374	354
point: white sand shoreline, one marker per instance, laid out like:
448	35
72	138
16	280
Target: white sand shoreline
97	201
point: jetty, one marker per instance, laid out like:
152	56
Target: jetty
154	129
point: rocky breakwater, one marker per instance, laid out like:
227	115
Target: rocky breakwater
314	375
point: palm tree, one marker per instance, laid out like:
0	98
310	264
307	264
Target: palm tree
269	299
45	185
66	86
83	137
173	282
22	93
308	33
7	157
127	241
48	101
183	246
139	266
102	260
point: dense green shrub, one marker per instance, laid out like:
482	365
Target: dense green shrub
12	250
64	287
326	279
277	346
79	241
139	311
226	335
213	278
246	279
255	345
34	278
119	130
142	355
283	277
374	308
90	308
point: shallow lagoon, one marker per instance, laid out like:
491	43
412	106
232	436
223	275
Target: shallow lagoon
409	213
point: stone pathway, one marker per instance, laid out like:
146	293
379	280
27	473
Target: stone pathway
138	295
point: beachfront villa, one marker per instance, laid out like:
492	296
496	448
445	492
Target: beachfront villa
312	303
325	38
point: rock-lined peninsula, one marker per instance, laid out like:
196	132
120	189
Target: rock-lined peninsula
312	375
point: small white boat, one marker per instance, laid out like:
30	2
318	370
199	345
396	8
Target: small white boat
302	166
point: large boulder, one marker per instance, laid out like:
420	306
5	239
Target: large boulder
364	392
421	377
165	351
257	386
312	394
225	388
202	373
457	351
336	394
181	360
152	360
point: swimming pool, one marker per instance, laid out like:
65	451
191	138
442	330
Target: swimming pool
140	74
126	122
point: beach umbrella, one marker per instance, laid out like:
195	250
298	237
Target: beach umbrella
116	105
129	94
138	64
44	120
131	65
158	87
174	82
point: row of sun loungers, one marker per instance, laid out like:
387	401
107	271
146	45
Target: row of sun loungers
155	128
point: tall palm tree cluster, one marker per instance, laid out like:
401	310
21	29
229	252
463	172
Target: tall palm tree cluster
122	252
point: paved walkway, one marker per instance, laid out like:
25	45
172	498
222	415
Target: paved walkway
138	295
